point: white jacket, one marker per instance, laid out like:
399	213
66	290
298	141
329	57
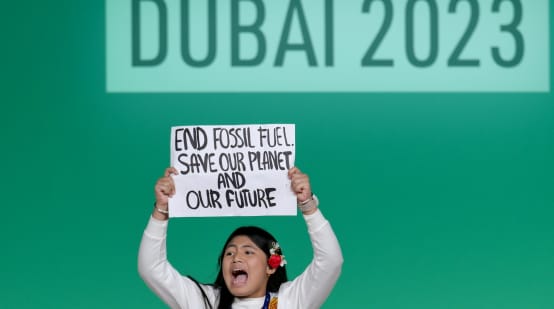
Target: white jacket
308	290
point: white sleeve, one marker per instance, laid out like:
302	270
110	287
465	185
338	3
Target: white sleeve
313	286
174	289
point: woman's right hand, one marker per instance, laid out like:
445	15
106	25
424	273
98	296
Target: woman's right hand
164	189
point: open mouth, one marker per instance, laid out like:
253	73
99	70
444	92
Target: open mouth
240	277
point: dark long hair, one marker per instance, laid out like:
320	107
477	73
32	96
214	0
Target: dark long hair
264	241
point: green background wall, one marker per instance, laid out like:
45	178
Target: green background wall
438	200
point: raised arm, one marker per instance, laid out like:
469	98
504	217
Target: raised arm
313	286
160	276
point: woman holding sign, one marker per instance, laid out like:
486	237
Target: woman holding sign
252	271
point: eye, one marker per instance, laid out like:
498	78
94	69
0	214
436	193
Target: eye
249	252
228	253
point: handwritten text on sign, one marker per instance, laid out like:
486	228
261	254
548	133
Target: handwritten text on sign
238	170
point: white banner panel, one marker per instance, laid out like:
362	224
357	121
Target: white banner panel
328	46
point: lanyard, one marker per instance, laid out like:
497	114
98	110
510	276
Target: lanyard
266	301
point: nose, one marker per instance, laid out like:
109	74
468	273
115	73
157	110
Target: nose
237	258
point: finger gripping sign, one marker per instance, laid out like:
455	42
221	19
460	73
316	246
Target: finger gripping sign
235	170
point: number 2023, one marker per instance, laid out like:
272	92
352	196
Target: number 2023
455	59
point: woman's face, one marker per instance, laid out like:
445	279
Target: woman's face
245	268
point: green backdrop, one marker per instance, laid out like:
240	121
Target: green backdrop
438	200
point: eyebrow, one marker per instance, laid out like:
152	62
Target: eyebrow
243	246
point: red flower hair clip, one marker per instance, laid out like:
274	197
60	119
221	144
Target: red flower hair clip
276	258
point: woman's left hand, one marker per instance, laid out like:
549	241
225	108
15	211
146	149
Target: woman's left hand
300	185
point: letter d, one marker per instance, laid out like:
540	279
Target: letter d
162	34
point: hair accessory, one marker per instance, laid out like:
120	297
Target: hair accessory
276	258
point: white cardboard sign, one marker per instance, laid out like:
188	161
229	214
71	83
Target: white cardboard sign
232	170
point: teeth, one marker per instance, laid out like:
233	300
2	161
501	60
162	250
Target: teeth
240	277
238	272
